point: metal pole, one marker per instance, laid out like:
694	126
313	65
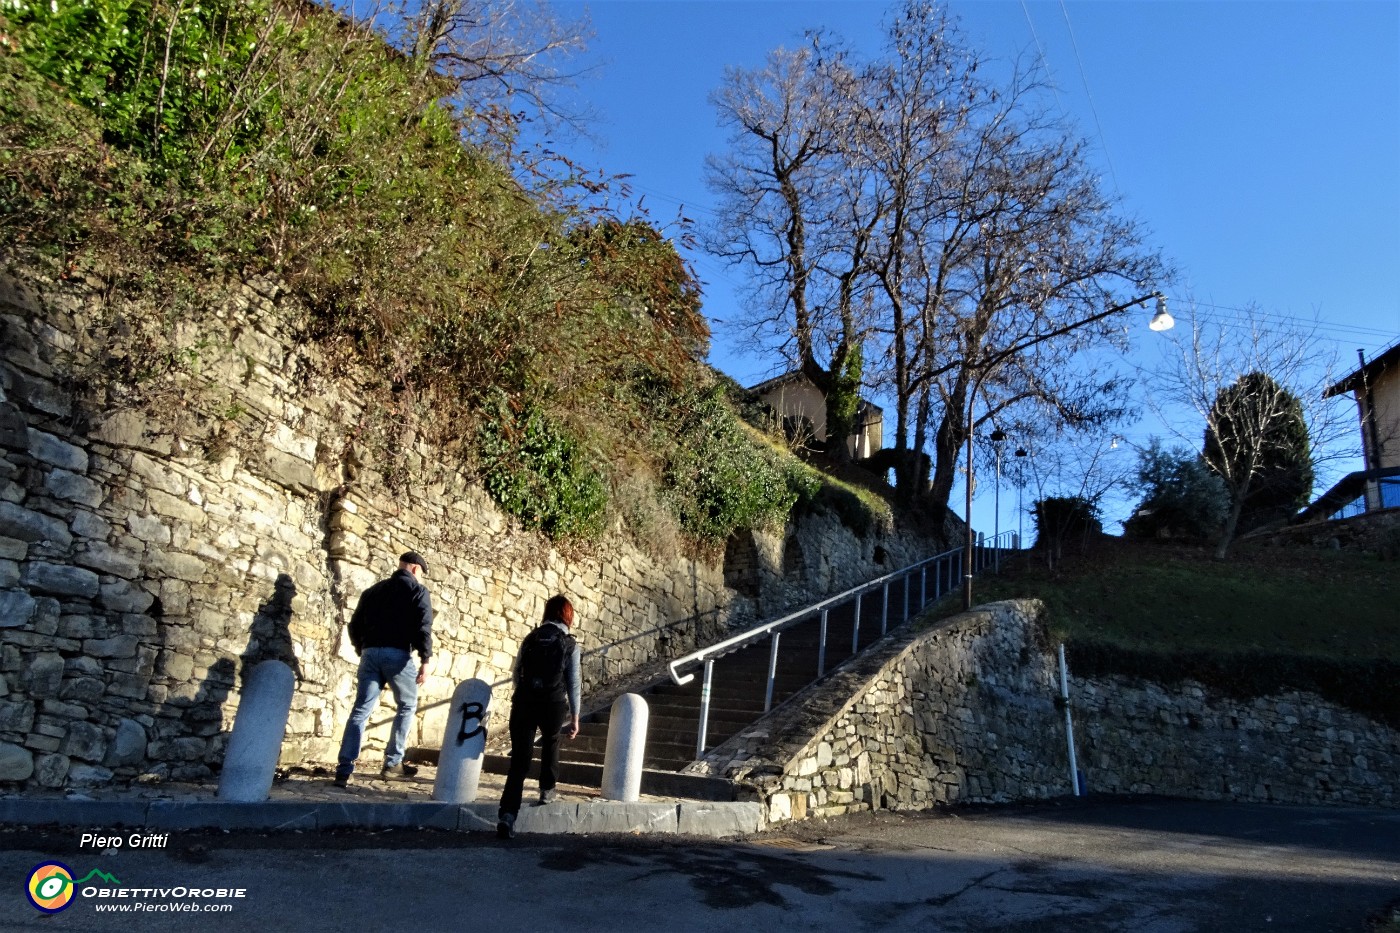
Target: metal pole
821	647
967	515
772	671
996	498
1069	723
885	610
906	594
1020	509
704	707
855	629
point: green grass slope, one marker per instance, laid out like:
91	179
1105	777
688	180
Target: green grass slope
1269	619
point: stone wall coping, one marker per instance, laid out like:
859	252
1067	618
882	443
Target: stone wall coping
795	728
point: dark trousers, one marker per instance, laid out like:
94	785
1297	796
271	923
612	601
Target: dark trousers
528	716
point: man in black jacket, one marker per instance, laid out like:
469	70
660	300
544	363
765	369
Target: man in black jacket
393	618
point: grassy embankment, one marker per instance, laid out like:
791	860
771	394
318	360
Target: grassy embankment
476	301
1267	619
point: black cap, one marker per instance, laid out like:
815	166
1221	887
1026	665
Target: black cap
413	557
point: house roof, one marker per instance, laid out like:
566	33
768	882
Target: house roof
1388	359
1349	487
792	375
865	408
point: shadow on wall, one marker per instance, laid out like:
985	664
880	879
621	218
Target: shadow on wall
270	638
189	735
794	561
741	565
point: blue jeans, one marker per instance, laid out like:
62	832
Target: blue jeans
380	666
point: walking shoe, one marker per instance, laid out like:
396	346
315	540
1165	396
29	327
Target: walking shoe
549	796
398	772
342	780
505	826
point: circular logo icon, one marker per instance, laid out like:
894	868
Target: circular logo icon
50	887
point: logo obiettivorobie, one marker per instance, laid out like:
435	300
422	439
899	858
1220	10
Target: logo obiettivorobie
51	886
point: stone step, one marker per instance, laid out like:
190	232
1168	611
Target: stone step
654	782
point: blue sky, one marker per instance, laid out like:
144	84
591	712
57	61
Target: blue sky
1259	142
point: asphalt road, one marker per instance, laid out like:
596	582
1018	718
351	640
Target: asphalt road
1099	865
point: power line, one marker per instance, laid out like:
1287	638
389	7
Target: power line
1044	61
1283	315
1103	139
1342	334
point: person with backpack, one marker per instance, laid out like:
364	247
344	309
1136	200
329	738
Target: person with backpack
546	700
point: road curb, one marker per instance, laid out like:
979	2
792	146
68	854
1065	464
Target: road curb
692	818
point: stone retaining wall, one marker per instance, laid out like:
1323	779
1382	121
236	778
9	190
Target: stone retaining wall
1179	740
147	557
1378	532
966	712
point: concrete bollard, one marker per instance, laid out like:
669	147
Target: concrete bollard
250	761
463	744
627	742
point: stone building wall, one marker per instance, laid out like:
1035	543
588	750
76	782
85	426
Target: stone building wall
966	711
146	558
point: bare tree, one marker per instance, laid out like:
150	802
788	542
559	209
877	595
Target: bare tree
917	103
1072	467
797	213
911	203
1245	381
1047	256
504	62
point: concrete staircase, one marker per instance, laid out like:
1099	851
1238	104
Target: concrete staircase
737	699
738	691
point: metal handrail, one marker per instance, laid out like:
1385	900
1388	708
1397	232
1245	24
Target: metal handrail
986	553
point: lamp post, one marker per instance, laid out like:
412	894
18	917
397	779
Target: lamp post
998	438
1161	320
1020	507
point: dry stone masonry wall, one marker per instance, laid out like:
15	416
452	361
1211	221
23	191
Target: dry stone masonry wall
961	712
967	711
147	559
1144	738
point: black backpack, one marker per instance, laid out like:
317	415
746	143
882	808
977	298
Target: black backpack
543	656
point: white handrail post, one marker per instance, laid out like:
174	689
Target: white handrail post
855	629
772	671
906	595
923	587
1069	723
885	610
821	647
704	707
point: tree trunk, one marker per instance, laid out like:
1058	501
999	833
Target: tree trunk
947	443
1232	521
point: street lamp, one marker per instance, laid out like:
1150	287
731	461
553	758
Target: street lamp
1020	507
998	438
1161	320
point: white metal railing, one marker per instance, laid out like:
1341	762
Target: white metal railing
946	572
